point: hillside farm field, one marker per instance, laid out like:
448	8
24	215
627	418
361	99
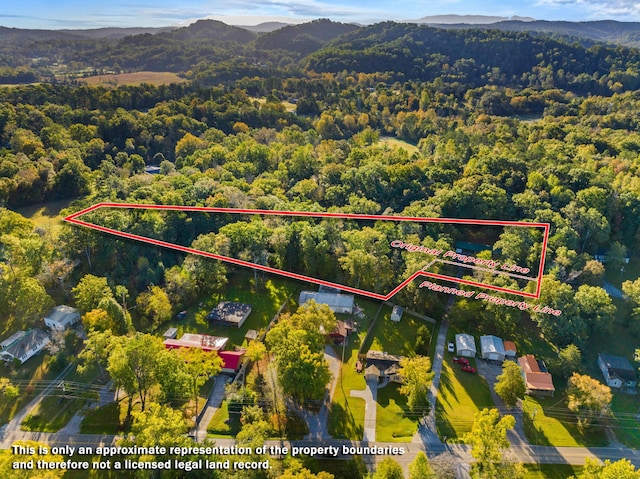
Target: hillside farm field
137	78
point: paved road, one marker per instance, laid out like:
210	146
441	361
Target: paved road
427	432
317	421
489	372
370	396
213	404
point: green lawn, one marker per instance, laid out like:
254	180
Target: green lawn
52	414
346	416
265	302
551	471
34	371
223	425
625	408
555	425
103	420
396	338
460	396
394	421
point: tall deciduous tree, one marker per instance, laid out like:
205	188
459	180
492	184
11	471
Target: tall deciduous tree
489	445
199	366
622	469
133	365
420	468
416	378
510	384
154	306
588	398
90	291
388	468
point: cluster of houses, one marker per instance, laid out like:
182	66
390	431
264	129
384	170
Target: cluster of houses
492	348
617	371
23	345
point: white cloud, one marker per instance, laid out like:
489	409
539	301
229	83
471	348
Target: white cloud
600	8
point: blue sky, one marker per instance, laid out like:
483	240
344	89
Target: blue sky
55	14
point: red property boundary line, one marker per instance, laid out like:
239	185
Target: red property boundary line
73	218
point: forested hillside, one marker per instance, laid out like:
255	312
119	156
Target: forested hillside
499	126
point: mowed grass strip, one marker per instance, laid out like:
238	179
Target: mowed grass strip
136	78
551	471
460	396
346	416
394	421
554	425
626	411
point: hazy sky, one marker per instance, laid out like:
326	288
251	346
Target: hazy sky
100	13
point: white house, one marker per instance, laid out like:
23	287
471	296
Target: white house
617	371
492	348
465	345
62	318
27	346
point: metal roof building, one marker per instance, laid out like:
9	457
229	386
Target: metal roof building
491	347
465	345
338	303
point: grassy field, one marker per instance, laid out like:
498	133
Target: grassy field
46	215
394	421
550	471
288	106
555	425
460	396
137	78
397	143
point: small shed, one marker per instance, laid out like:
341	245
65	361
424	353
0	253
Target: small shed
251	335
617	371
465	345
510	349
341	332
396	313
170	333
62	317
492	348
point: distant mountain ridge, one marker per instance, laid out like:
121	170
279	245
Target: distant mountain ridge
467	19
304	38
35	35
606	31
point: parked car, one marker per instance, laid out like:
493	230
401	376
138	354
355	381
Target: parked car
181	315
451	347
468	369
463	361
